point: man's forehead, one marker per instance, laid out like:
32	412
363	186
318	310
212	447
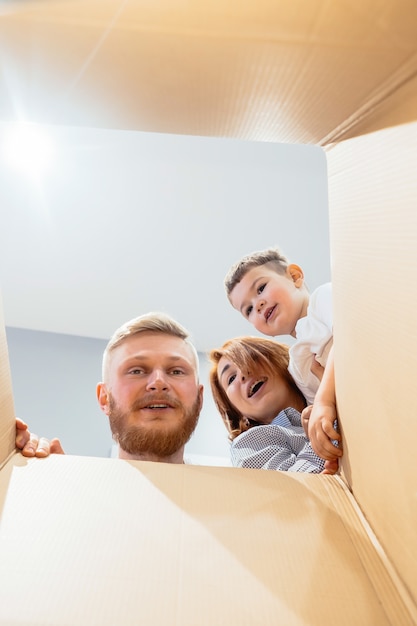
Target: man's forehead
150	345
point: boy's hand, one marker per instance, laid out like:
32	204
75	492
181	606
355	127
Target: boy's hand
325	440
322	433
331	467
305	417
32	445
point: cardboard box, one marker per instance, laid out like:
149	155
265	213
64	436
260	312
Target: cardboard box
102	541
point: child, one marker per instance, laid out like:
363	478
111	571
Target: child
271	294
252	387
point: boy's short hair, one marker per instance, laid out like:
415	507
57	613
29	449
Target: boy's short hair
272	257
153	322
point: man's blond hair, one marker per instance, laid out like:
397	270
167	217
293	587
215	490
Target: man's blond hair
153	322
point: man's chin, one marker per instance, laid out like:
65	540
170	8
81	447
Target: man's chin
145	432
152	437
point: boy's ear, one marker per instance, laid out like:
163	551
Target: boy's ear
103	397
296	274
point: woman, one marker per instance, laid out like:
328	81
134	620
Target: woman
261	406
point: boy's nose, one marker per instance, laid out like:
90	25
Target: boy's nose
261	304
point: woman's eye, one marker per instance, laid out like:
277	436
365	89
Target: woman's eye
231	379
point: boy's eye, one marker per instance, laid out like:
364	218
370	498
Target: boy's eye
261	288
249	310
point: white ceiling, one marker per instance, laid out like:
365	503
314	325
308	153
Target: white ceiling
127	221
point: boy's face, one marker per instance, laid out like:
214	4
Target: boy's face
272	302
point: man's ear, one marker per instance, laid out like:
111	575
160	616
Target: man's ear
296	274
103	397
201	395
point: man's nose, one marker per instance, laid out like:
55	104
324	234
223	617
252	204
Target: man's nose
157	380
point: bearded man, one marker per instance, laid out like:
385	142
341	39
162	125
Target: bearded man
150	392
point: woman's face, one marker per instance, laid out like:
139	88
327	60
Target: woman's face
257	395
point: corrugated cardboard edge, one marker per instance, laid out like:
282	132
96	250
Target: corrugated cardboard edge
7	459
389	588
372	198
405	76
7	413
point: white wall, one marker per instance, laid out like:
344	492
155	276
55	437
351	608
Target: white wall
127	222
250	196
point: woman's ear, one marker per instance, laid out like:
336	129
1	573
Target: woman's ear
103	397
296	274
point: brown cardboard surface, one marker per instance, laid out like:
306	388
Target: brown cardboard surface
373	191
398	107
7	416
90	541
288	71
104	541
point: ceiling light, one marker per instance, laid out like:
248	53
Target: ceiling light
28	148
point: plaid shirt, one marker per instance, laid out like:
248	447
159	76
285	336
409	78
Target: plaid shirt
281	445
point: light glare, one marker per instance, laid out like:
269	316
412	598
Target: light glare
29	149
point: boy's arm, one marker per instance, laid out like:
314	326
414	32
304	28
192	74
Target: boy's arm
321	431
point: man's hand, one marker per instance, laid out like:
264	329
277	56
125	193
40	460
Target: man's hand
22	434
32	445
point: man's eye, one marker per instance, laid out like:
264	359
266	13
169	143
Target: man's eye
261	287
231	379
177	372
135	370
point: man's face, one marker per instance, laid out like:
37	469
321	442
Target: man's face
273	303
151	395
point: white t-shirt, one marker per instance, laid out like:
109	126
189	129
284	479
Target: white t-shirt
314	337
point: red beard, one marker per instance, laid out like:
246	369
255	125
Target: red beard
138	439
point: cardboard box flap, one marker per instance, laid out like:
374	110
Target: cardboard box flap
373	234
393	103
398	107
294	71
7	414
87	541
104	541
